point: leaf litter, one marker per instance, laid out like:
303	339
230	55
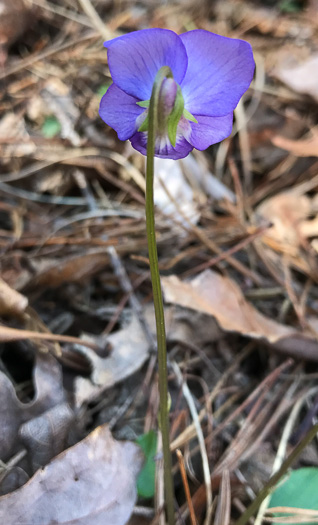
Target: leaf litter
237	242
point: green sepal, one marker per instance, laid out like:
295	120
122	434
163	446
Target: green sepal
189	116
143	103
145	125
175	116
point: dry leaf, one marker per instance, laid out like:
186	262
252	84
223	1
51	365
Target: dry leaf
69	269
129	351
299	148
286	211
301	77
14	19
45	436
49	392
14	138
220	297
173	194
12	479
93	482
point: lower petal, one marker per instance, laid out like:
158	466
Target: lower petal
120	112
209	130
163	148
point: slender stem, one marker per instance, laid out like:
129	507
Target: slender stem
157	296
272	482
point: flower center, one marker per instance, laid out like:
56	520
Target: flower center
170	110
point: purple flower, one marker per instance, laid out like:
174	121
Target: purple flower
212	72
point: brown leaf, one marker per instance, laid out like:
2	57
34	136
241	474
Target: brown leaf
93	482
12	479
220	297
299	148
14	19
129	351
45	436
301	77
69	269
13	413
286	212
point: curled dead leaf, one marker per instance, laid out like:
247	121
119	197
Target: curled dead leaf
299	148
301	76
221	297
13	413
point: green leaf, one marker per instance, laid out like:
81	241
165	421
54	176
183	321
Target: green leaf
146	478
51	127
175	116
300	490
290	6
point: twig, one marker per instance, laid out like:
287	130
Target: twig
196	421
186	486
96	20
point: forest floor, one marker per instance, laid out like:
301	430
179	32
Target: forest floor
237	232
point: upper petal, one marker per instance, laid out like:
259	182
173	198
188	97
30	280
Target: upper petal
220	70
209	130
134	59
120	112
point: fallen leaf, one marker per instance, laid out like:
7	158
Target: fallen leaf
69	269
12	479
129	349
45	436
299	148
291	230
221	297
49	392
92	482
173	194
286	211
15	17
14	138
301	77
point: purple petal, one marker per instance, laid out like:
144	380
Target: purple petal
219	71
134	59
120	112
210	130
164	149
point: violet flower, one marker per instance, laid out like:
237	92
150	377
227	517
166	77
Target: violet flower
210	75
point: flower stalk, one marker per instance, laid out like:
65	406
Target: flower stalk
162	74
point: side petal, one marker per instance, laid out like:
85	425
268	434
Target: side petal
210	130
164	149
134	59
120	112
220	70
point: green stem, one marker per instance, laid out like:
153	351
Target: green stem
157	295
270	485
